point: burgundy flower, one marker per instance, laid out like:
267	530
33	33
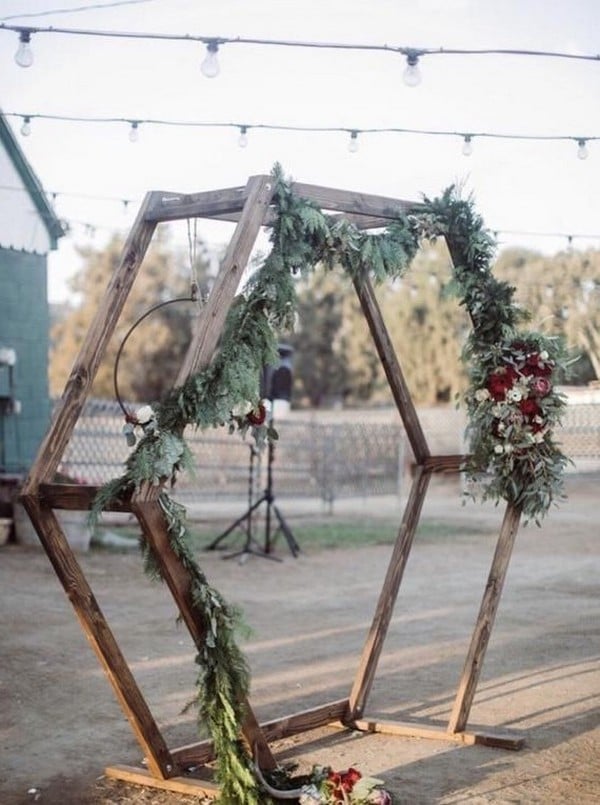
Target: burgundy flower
258	415
529	408
535	366
500	381
541	386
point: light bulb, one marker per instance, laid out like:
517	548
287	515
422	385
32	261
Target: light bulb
134	132
210	65
582	152
243	138
24	54
467	148
412	74
26	127
353	144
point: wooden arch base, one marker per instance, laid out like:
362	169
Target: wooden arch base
167	768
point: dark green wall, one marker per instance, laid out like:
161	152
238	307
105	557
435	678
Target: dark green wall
24	326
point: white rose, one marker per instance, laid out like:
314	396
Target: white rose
241	409
144	414
481	395
498	449
544	355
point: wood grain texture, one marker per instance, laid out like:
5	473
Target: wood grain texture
392	369
329	198
100	637
294	724
167	206
210	323
178	785
485	620
411	729
445	464
76	497
151	517
365	674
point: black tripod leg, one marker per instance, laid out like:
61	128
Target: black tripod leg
246	516
287	533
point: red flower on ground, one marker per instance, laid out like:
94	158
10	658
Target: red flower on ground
343	782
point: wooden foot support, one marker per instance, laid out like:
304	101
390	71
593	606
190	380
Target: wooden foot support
483	736
179	785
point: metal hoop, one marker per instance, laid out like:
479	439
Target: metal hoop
129	417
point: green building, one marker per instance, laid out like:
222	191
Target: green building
29	229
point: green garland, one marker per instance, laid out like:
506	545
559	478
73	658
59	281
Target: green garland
226	393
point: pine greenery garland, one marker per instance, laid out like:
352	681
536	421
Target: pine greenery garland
302	236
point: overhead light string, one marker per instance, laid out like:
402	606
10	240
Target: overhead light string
210	64
243	129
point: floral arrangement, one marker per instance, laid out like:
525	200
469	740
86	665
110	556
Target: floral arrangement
329	787
512	404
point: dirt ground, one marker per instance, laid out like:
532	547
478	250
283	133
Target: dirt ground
60	724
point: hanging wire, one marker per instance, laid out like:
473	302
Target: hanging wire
404	50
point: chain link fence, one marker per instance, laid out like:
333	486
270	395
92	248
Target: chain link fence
311	459
316	459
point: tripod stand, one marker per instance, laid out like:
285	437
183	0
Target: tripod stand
251	546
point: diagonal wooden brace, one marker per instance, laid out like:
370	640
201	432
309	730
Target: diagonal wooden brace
152	519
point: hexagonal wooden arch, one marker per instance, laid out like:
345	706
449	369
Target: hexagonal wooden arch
249	207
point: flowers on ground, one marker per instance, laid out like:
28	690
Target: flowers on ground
329	787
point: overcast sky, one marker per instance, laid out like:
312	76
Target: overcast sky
524	186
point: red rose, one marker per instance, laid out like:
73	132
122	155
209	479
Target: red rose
529	408
258	415
541	386
500	381
534	365
350	778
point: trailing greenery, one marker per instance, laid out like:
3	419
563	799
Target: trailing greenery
512	401
226	393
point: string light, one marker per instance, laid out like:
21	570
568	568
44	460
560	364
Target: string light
467	148
411	53
134	133
24	54
243	138
26	127
412	74
210	66
467	139
353	143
